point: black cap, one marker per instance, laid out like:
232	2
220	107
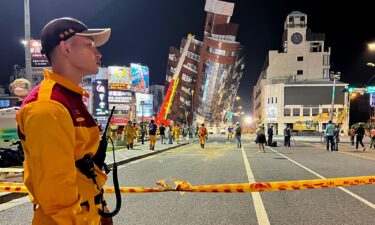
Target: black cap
62	29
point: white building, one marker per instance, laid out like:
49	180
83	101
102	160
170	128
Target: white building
294	84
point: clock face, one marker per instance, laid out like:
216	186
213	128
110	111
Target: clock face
296	38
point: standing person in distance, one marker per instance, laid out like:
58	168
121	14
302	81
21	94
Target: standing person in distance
238	133
330	129
162	132
202	133
61	192
352	135
360	132
287	135
261	137
270	135
152	128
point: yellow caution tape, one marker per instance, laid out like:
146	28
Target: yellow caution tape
184	186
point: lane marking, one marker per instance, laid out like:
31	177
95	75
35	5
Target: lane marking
257	199
372	205
344	152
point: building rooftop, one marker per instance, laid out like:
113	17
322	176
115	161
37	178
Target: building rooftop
296	13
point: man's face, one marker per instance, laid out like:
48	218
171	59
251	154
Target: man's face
83	55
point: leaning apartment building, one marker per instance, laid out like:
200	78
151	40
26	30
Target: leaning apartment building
294	84
211	73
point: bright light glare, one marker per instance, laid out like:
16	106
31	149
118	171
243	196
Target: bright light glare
23	42
370	64
371	46
248	119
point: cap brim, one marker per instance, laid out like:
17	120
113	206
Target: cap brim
100	36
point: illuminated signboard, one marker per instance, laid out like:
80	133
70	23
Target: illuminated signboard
119	78
140	77
271	113
37	58
100	98
143	104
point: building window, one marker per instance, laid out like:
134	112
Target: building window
296	112
340	109
325	110
326	73
306	111
286	111
272	100
275	99
268	100
326	60
299	72
315	111
315	47
300	58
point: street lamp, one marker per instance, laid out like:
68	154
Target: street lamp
27	40
334	76
238	98
370	64
142	131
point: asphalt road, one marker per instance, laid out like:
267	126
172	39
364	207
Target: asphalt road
221	162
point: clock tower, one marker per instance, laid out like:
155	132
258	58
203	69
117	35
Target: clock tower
294	30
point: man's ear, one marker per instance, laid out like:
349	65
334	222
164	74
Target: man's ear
64	48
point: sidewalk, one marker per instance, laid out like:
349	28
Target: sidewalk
123	156
140	151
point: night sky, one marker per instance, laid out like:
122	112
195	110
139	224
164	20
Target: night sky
143	30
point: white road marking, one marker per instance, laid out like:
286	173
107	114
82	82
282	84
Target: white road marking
372	205
260	211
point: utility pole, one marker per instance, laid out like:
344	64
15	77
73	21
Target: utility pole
27	41
142	131
334	76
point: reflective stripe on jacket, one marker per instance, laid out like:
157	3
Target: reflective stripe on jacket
56	129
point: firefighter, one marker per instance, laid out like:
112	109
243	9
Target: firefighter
56	130
177	132
129	133
203	134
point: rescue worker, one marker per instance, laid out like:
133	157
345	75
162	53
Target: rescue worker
177	132
152	134
230	132
202	133
56	130
129	132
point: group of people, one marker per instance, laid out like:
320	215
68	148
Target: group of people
358	135
237	134
261	139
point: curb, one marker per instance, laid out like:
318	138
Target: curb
6	197
125	161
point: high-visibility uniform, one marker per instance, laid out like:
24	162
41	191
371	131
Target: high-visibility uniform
202	132
152	134
56	129
176	132
129	132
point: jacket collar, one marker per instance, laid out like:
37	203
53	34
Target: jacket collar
48	74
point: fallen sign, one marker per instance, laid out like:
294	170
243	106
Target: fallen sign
184	186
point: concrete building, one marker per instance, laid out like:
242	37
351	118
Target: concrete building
294	84
212	70
158	94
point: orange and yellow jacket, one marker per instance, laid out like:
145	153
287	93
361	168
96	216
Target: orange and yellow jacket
56	130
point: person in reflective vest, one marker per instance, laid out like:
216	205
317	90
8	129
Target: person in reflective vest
56	130
202	133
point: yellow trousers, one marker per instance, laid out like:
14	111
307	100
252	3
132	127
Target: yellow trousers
152	139
91	216
202	139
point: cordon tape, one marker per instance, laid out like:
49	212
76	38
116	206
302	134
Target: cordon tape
184	186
